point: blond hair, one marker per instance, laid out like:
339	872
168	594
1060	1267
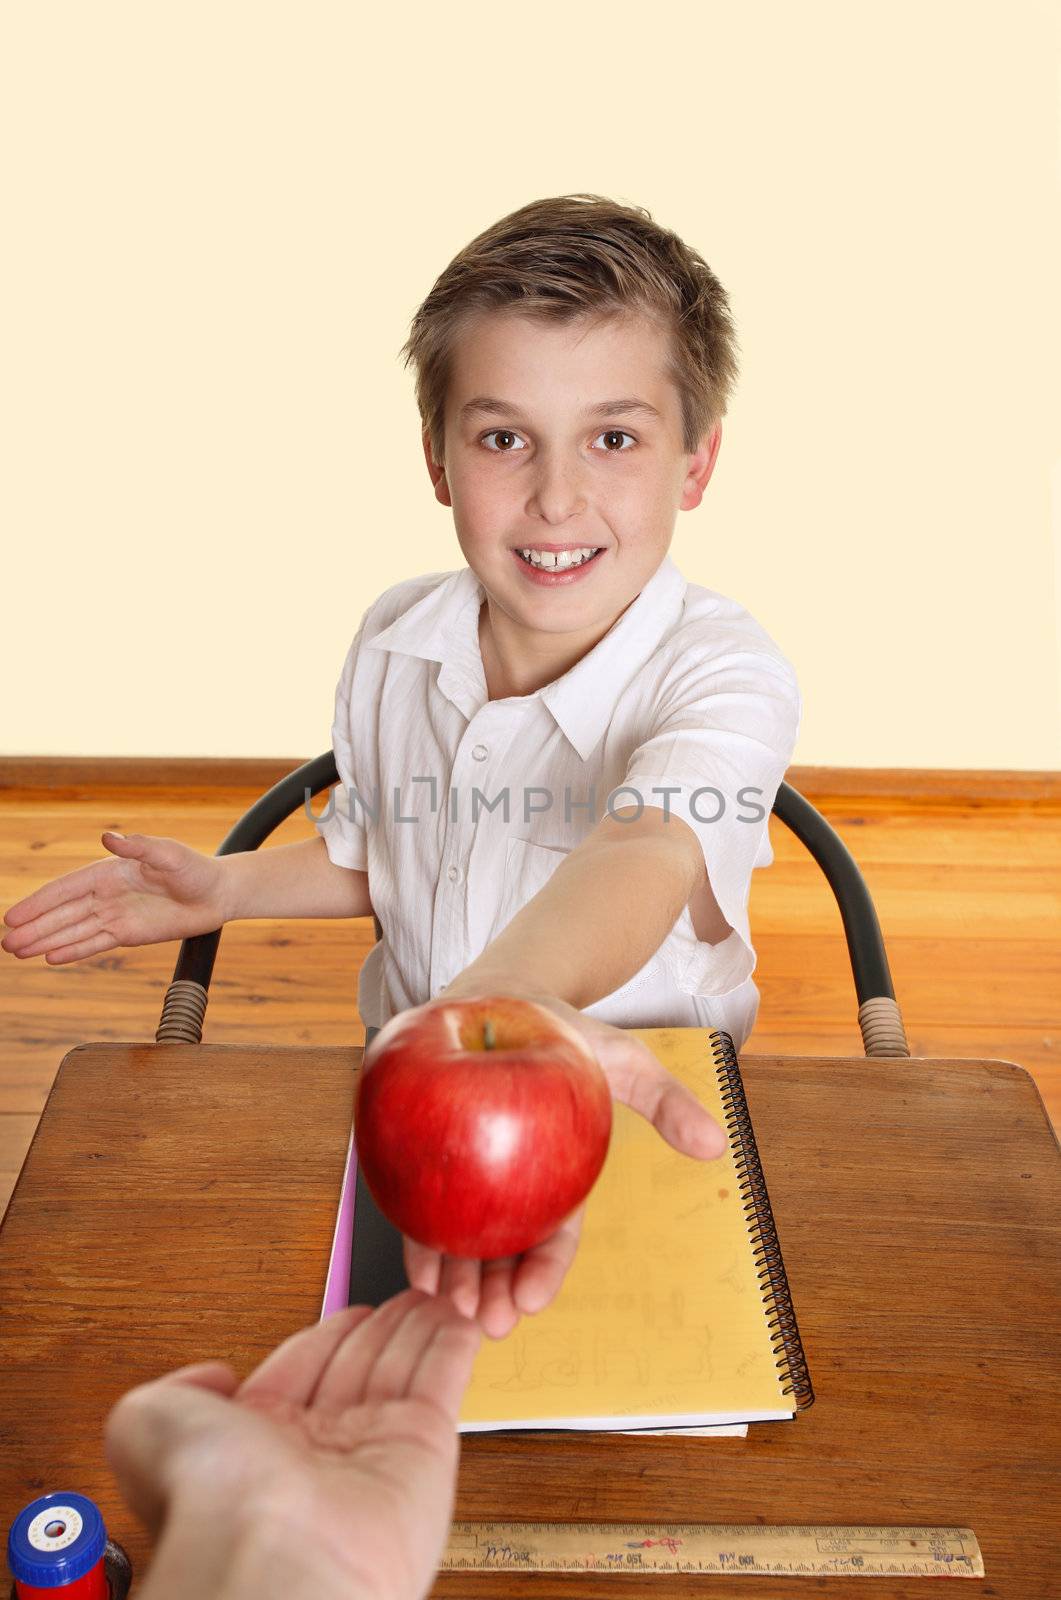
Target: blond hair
575	255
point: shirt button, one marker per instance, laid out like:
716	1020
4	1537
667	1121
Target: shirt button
452	873
480	752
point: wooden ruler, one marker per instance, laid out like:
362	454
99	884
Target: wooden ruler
867	1552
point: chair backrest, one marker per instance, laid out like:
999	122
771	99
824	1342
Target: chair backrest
878	1013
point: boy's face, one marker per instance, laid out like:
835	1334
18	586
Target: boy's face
531	462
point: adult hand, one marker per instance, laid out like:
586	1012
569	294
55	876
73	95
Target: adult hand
496	1293
334	1461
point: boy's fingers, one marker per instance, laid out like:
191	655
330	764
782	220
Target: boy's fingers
71	931
71	906
71	886
149	849
422	1266
543	1269
461	1279
77	952
129	844
685	1124
293	1370
648	1088
497	1314
21	938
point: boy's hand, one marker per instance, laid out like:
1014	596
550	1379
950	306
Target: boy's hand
497	1293
157	889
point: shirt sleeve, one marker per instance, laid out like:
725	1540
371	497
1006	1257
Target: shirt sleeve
721	742
342	825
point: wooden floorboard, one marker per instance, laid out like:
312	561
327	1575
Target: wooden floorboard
968	893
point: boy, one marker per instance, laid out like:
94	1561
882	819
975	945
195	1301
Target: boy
556	764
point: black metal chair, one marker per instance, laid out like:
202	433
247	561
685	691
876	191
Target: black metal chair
879	1018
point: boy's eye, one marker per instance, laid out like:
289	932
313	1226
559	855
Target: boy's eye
507	433
501	433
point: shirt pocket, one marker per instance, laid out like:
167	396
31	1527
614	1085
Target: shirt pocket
528	867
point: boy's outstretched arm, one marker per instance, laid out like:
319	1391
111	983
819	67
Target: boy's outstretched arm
606	909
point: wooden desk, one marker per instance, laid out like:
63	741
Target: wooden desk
178	1201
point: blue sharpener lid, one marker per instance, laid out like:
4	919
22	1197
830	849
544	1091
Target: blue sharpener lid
55	1540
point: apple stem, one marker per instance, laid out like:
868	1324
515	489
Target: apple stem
488	1035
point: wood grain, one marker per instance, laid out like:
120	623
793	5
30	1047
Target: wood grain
79	776
179	1202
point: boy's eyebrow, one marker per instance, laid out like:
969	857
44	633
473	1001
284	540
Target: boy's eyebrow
487	405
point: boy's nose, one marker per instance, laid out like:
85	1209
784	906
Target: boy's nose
559	496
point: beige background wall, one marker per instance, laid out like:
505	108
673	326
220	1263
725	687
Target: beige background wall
219	218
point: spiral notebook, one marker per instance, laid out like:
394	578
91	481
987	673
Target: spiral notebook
676	1315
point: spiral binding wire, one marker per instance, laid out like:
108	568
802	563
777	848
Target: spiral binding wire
788	1348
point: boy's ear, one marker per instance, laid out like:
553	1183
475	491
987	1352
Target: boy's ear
701	466
438	474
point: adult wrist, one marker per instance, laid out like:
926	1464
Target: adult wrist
282	1553
245	1553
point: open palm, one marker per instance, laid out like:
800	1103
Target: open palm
345	1436
496	1293
149	890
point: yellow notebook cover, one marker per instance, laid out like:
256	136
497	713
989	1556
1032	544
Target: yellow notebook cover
662	1320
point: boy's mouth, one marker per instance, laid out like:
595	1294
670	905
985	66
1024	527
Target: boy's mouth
569	558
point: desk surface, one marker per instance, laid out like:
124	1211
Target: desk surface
178	1201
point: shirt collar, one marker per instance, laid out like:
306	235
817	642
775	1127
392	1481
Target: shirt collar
444	626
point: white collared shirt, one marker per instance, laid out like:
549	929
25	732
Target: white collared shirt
686	692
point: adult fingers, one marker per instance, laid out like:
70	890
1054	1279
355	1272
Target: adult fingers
145	1427
293	1370
345	1379
400	1359
216	1377
448	1356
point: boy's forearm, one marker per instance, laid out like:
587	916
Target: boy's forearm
606	909
292	880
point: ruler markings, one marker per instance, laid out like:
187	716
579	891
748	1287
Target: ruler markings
795	1549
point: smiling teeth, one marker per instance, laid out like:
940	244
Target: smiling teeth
557	560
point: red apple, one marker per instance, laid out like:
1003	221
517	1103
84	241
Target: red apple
480	1124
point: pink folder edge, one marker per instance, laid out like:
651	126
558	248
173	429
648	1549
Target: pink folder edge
337	1283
